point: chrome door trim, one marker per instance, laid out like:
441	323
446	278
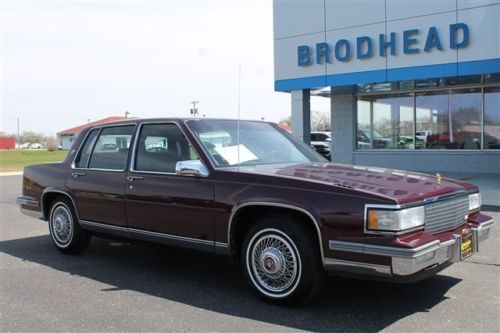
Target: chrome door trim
105	228
170	236
169	239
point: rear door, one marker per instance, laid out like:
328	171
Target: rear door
98	175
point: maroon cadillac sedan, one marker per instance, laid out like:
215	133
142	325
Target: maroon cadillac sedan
253	191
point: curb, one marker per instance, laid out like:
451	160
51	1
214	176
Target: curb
11	173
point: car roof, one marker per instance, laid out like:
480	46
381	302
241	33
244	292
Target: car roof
147	120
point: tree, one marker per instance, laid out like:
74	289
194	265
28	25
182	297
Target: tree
320	121
287	121
30	137
52	143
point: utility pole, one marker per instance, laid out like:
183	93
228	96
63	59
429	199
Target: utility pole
18	128
194	110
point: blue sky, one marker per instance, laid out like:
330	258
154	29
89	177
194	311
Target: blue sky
64	62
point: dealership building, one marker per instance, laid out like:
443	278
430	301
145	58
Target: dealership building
412	85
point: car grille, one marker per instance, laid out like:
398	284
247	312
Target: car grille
446	215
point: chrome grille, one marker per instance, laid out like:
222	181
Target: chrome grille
446	215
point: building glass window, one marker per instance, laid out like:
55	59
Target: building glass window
492	78
391	122
491	136
465	115
363	141
437	114
449	120
432	119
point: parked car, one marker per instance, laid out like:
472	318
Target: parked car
423	135
36	145
322	142
252	190
379	142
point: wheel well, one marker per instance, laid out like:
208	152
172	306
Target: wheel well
244	218
49	198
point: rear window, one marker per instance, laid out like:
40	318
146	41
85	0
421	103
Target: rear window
111	149
106	148
82	160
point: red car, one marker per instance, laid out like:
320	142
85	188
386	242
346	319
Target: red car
253	191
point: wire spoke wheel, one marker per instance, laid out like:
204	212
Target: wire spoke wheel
62	225
274	263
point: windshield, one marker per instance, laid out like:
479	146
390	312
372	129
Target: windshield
376	135
259	143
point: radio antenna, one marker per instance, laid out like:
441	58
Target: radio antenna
238	121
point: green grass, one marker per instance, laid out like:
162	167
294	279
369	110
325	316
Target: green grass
17	159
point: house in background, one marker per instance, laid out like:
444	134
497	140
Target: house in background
68	137
7	142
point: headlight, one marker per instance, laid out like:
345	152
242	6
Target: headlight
394	220
474	201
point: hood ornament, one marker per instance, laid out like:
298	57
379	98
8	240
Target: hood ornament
438	178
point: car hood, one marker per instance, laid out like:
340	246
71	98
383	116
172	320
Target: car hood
401	186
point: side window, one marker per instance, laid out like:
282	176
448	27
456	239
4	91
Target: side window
160	147
82	160
111	149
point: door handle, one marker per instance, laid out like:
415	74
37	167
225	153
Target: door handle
78	174
133	178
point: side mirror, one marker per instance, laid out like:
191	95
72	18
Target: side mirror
191	168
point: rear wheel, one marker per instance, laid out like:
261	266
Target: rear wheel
64	228
281	262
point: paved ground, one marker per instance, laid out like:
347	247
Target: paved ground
488	183
123	287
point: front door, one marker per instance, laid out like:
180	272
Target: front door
161	204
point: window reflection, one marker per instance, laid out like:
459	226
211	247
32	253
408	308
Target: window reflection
363	141
392	122
432	122
465	109
449	121
450	116
491	137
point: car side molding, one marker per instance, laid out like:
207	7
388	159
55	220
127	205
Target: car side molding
52	190
237	208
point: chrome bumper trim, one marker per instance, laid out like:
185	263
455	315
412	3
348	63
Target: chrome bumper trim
408	261
25	202
356	267
383	250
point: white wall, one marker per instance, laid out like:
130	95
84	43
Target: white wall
67	142
310	22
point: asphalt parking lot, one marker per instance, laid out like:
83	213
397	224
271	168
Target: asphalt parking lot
116	286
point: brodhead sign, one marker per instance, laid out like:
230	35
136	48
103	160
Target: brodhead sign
364	46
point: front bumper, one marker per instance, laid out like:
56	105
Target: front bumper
406	262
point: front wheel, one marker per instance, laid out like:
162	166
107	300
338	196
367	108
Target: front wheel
281	262
64	228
